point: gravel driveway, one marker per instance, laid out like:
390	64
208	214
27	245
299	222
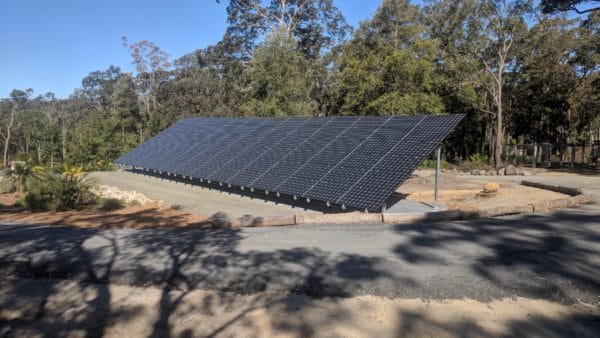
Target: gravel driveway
554	257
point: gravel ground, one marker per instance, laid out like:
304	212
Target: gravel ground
196	199
554	257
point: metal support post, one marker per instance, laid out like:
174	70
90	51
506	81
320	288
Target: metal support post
436	204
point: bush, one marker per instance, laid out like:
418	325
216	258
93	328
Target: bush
476	161
109	204
60	193
20	179
479	159
100	165
431	164
69	170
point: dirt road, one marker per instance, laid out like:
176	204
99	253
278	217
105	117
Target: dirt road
93	310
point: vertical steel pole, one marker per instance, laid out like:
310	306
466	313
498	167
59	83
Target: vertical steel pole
436	205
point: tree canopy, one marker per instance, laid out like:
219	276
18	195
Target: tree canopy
519	72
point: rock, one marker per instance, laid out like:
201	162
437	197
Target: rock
491	187
510	170
475	172
526	173
127	197
500	172
482	172
491	173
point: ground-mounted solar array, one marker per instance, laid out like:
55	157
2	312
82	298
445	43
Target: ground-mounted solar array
349	161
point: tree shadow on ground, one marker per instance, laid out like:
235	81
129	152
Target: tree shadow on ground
548	264
36	260
554	257
178	261
573	325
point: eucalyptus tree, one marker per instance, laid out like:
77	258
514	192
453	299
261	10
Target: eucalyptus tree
586	99
99	85
10	115
316	25
205	82
125	109
541	95
152	67
487	34
389	66
279	80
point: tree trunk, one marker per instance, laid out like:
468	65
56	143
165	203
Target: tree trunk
499	113
8	134
64	142
38	149
141	133
499	128
6	140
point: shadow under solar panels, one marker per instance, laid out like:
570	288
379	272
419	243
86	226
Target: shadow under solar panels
350	161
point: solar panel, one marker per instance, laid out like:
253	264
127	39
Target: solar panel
351	161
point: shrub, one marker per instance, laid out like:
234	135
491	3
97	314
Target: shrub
476	161
100	165
23	157
431	164
20	179
69	170
479	159
109	204
60	193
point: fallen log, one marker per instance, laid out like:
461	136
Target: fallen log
556	188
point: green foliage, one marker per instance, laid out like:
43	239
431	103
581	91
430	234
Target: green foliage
99	139
432	164
291	58
279	80
389	66
317	25
100	165
60	193
476	161
66	170
479	159
20	179
23	157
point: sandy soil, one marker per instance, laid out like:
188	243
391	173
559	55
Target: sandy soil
138	217
456	192
8	200
460	192
36	308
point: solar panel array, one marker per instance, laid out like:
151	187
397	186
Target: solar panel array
354	161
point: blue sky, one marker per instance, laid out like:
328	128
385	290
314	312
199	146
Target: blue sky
52	45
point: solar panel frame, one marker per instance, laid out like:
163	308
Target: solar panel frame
352	161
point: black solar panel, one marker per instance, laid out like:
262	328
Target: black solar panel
346	160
